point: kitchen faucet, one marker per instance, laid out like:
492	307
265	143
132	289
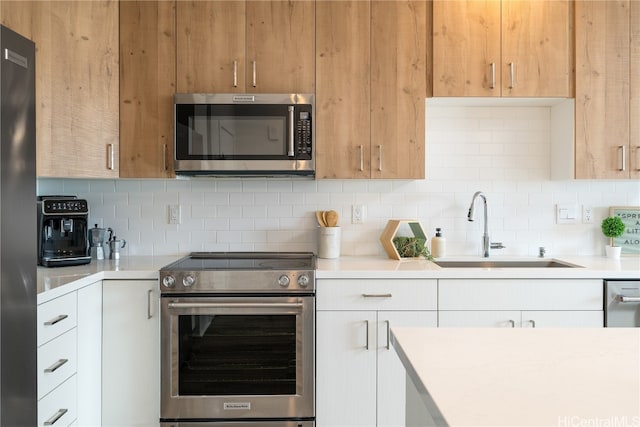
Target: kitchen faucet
486	242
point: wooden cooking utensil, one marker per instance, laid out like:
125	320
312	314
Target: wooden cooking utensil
320	218
331	218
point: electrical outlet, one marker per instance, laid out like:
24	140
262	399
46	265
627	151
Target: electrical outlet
587	215
357	214
174	214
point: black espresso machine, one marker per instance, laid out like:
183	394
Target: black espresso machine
62	231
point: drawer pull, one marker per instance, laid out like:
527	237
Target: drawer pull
377	295
55	366
55	320
51	421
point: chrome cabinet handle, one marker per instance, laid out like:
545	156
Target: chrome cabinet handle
56	366
51	421
292	133
377	295
254	73
512	323
366	331
493	76
56	319
623	158
533	323
235	73
388	335
149	294
380	158
361	158
165	152
110	158
626	299
512	67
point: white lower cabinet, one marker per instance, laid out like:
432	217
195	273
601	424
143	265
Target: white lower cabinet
69	331
360	379
515	303
90	355
130	353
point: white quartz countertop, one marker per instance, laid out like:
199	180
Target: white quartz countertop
525	377
53	282
591	267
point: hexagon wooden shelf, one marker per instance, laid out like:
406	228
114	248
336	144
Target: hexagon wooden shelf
390	231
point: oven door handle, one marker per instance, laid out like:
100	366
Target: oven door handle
285	305
624	298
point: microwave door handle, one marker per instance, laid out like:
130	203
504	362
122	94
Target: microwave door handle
291	132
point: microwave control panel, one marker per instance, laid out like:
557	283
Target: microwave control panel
303	143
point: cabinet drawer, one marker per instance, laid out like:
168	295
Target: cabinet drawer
58	408
55	317
57	361
514	294
376	294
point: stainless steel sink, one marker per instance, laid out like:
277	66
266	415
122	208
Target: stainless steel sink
543	263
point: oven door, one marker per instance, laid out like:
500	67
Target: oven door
229	358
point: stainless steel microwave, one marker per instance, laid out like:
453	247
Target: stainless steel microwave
244	134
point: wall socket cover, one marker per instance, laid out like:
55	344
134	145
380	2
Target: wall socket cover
174	214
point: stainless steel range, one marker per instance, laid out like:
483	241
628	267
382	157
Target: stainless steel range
238	339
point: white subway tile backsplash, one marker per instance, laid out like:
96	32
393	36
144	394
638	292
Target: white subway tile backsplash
503	152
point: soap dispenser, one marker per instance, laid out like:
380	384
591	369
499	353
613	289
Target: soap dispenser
438	244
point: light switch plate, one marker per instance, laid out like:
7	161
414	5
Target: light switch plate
566	213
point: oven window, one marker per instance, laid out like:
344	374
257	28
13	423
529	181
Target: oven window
237	355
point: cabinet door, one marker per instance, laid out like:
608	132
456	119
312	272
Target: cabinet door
210	46
602	89
479	319
280	47
634	91
346	368
537	46
562	319
391	400
90	355
343	132
76	84
398	88
130	353
466	48
147	84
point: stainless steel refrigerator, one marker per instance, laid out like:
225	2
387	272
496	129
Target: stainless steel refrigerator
18	360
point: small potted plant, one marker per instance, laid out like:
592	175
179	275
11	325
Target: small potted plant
412	247
612	227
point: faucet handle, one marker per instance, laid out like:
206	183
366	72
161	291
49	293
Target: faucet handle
497	245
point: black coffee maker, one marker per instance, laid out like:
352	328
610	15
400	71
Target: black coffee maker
62	231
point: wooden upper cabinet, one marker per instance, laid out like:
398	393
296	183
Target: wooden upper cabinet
280	46
466	48
634	92
76	84
398	88
503	48
607	89
210	46
147	84
371	70
237	46
343	119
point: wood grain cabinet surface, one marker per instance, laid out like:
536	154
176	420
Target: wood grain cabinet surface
503	48
76	83
252	46
607	144
147	85
371	68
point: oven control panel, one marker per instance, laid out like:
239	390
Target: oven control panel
247	281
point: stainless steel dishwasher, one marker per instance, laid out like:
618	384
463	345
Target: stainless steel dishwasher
622	309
